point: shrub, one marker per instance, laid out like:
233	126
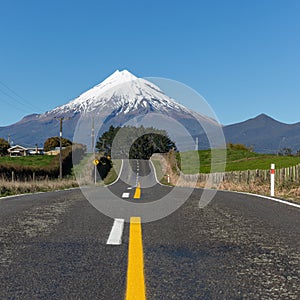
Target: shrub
238	147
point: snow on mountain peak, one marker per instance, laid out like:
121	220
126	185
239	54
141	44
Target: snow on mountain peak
123	91
118	77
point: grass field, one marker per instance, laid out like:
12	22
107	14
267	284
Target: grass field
29	161
236	160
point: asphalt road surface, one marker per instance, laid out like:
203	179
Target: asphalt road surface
53	245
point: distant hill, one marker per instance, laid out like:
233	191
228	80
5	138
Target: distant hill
264	134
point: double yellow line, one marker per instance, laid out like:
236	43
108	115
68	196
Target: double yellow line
135	272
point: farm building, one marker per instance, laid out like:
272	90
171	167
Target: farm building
18	150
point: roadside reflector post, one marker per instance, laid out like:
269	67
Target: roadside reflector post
272	180
95	162
168	176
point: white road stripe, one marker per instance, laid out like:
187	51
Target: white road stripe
125	195
119	175
273	199
115	237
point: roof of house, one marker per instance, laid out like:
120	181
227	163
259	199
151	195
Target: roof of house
18	147
23	148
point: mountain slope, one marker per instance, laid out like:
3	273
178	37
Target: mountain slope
264	134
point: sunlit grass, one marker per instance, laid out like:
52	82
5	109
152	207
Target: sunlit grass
193	162
29	161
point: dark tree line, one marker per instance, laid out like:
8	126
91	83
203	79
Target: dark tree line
142	142
103	167
53	142
4	146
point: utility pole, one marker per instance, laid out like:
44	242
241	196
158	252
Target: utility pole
61	119
93	135
10	141
93	148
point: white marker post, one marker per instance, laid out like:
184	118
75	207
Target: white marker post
272	180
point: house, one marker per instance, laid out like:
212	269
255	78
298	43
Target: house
54	151
22	151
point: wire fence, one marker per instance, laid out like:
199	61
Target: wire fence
290	174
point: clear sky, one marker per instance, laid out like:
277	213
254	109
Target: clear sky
242	56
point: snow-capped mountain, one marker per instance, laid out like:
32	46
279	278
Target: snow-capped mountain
123	91
121	99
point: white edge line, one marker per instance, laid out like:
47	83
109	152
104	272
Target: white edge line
115	236
265	197
37	193
154	170
119	175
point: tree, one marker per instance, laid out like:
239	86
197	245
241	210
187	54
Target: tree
4	146
285	152
144	146
143	142
53	142
104	167
288	151
106	140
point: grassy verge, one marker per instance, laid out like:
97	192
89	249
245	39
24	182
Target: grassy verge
84	169
114	172
8	188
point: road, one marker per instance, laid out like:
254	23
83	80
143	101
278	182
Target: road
53	245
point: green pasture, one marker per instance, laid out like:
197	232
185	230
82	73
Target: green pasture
29	161
193	162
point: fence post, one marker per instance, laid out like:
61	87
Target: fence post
272	180
294	173
248	177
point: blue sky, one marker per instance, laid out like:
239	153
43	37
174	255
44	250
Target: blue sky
242	56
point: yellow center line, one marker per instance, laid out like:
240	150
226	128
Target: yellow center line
137	194
135	271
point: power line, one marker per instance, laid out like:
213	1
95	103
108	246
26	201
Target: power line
11	104
19	99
